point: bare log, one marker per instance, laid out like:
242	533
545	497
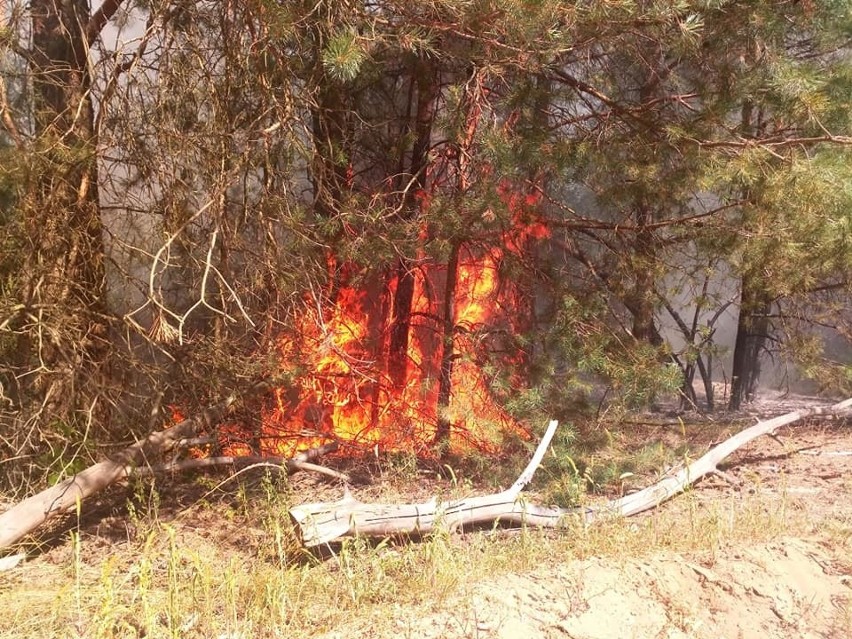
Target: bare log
322	523
670	486
27	515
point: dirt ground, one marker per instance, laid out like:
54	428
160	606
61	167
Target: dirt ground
794	584
785	589
791	587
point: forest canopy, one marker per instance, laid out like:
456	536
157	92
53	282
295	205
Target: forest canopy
425	224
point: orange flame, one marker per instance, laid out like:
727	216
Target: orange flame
345	392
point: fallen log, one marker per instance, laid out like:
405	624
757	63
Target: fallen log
668	487
327	522
29	514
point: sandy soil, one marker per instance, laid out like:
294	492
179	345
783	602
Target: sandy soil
788	588
785	589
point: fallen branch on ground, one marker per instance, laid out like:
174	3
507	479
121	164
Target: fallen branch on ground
26	516
322	523
302	461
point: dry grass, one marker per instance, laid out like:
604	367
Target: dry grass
233	568
220	572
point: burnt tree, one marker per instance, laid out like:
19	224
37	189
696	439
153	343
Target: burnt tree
753	329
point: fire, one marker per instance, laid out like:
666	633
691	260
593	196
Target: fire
346	391
343	388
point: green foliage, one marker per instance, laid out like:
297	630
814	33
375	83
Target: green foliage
263	155
579	353
343	56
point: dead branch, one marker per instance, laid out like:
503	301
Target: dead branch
195	442
670	486
322	523
27	515
302	461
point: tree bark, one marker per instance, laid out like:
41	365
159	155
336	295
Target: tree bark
400	328
472	113
448	353
643	295
753	327
427	79
330	127
323	523
753	323
63	273
64	119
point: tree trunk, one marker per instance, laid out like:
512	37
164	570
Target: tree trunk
753	327
448	353
472	112
330	126
331	135
64	271
643	295
66	182
427	79
400	323
753	324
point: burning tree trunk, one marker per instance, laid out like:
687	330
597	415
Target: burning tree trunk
331	132
427	79
400	323
445	379
472	112
384	367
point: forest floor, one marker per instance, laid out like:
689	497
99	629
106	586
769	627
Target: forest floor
765	553
796	582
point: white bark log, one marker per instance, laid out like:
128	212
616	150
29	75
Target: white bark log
322	523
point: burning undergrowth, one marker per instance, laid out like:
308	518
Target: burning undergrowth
380	375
